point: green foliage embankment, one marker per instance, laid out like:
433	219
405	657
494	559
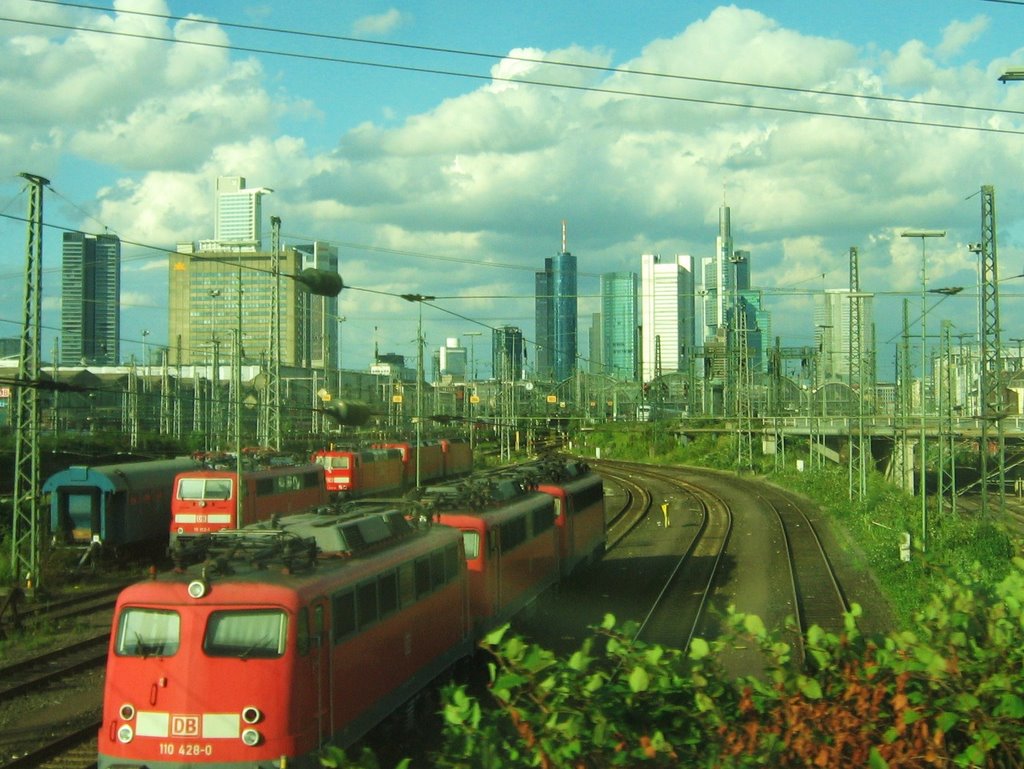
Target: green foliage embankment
946	693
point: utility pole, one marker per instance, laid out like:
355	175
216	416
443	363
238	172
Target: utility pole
27	530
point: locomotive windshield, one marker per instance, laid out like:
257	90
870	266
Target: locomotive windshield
245	634
148	633
333	463
204	488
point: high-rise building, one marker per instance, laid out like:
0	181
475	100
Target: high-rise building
508	355
556	316
321	347
214	294
90	316
451	362
723	274
666	312
832	332
238	219
620	322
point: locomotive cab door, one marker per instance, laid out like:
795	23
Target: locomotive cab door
320	650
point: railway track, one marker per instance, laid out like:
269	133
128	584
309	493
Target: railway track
804	583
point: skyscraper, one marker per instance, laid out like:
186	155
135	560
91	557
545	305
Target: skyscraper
620	320
722	274
320	348
90	316
556	319
832	333
238	219
666	311
508	354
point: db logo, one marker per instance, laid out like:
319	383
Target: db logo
184	726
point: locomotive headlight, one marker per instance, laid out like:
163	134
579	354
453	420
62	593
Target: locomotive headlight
251	737
127	712
252	715
125	734
198	588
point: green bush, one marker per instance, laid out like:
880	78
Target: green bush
944	694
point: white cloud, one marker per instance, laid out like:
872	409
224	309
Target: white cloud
487	176
382	23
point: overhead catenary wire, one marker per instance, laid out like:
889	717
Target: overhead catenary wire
492	77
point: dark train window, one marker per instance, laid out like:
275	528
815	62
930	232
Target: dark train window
311	480
437	568
590	496
452	561
246	633
406	584
343	609
366	601
542	520
513	534
264	486
423	581
388	593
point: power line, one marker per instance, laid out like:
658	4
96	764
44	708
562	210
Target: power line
565	86
534	60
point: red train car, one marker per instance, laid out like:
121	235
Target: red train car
458	458
509	538
423	461
206	500
264	660
579	508
361	472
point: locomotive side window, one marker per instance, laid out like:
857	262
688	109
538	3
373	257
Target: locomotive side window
245	634
437	569
343	611
513	534
388	593
451	562
406	584
148	633
542	521
423	583
366	601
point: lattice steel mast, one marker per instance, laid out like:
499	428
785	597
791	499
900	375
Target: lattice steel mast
858	454
27	528
992	407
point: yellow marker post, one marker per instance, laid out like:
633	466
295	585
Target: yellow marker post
664	513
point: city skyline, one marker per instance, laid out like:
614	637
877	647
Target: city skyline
448	178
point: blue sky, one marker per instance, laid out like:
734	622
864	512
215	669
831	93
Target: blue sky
445	172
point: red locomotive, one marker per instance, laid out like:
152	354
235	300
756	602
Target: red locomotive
509	537
422	461
389	467
361	472
282	641
206	500
312	628
579	508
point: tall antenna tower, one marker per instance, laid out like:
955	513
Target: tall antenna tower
859	451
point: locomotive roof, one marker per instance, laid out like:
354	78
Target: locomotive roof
294	551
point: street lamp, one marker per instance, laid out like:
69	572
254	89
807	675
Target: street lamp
923	235
419	299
